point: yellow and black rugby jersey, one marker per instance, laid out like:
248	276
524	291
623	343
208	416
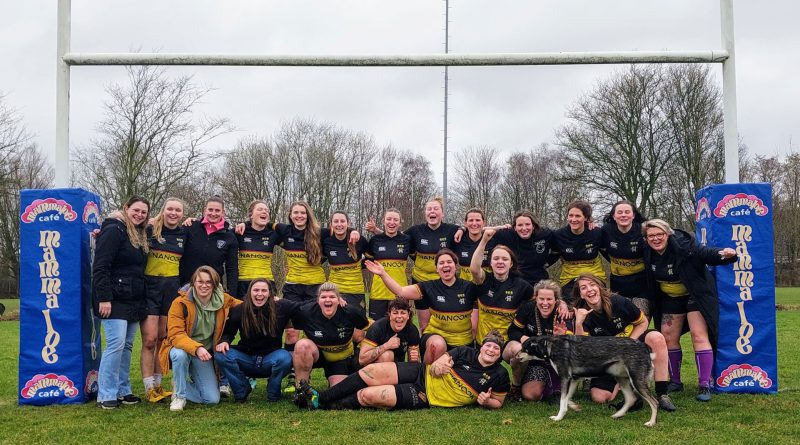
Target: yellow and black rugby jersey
579	253
625	250
451	309
624	315
255	252
300	271
498	302
392	252
533	253
465	249
426	242
345	271
381	331
530	323
666	274
467	379
164	259
333	336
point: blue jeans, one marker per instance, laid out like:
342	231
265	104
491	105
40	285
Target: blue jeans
238	366
114	375
192	378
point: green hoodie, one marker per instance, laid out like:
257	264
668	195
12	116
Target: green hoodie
203	331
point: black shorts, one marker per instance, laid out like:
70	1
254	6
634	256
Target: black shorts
345	366
356	300
378	308
160	291
606	383
630	286
410	388
300	293
678	305
241	288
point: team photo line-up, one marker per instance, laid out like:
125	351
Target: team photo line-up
478	293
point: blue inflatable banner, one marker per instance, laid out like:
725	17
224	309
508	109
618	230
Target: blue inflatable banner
59	342
740	216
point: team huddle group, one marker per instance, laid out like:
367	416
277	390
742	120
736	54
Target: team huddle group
478	293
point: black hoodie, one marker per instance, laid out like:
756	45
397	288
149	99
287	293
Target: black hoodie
219	250
118	272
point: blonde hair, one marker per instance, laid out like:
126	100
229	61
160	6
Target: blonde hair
158	221
328	287
656	223
549	285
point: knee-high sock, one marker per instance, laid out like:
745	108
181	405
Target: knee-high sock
675	357
350	385
705	360
347	402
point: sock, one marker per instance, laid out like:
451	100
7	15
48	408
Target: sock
705	360
149	383
661	388
675	357
349	386
348	402
157	379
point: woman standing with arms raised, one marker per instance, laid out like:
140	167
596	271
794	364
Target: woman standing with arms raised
119	297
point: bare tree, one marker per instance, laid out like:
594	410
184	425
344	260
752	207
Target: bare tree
149	141
477	179
618	140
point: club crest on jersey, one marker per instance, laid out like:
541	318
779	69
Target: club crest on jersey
220	244
539	246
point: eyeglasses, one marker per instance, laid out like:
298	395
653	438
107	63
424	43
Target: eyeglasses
656	236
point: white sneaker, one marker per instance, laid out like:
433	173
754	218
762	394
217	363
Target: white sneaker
225	391
177	404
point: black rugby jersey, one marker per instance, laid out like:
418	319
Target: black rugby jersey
467	379
666	275
624	314
255	252
464	251
381	331
258	343
392	252
530	323
498	301
579	253
333	336
451	309
300	271
426	242
345	271
164	257
533	253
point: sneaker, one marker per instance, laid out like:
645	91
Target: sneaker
291	386
554	398
225	391
155	394
311	394
704	394
163	392
665	403
253	383
129	399
108	404
299	400
674	387
177	404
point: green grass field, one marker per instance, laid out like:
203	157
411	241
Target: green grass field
727	419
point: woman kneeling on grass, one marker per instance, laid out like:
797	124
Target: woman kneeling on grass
194	326
259	321
463	376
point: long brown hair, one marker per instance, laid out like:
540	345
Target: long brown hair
605	294
252	322
158	221
311	234
136	234
351	248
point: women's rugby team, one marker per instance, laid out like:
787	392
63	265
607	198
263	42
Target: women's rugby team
478	292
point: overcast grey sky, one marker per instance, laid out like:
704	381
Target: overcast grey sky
510	108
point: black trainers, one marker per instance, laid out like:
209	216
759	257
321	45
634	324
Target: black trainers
311	394
674	387
704	394
129	399
299	399
665	403
514	394
108	404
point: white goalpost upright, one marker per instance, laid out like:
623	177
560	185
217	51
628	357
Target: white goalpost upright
66	59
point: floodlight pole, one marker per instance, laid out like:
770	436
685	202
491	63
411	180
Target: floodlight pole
729	94
446	81
62	96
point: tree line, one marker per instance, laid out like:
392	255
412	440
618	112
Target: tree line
650	134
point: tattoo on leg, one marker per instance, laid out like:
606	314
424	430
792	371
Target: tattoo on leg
667	319
366	373
384	395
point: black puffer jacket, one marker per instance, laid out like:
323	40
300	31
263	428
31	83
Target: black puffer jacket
691	261
118	272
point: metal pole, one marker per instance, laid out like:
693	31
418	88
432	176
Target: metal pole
62	96
446	50
729	94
